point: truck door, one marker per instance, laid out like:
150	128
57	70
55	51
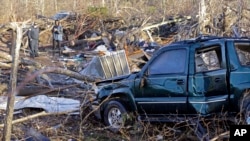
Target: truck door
163	88
208	91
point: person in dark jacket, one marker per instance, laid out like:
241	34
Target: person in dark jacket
33	35
57	32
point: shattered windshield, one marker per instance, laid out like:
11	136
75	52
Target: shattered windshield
243	52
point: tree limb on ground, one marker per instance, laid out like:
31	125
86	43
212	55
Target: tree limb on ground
26	61
32	76
166	22
32	92
59	71
37	115
76	75
222	135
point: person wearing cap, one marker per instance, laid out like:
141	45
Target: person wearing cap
57	32
33	36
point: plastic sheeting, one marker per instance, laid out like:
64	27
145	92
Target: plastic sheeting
49	104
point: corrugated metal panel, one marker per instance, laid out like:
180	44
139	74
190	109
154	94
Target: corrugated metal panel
115	64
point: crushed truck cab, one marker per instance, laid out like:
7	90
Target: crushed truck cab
203	76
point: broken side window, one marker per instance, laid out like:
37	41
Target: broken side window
243	52
208	59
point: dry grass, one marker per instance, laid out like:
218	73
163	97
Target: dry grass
65	127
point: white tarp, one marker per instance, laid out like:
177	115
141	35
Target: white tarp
49	104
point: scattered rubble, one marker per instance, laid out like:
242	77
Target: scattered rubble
89	55
93	49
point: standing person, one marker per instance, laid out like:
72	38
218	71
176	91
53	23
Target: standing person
57	32
33	35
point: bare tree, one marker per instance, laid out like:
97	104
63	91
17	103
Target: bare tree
103	3
202	16
55	5
42	5
26	3
17	28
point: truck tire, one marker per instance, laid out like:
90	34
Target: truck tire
247	114
114	115
245	108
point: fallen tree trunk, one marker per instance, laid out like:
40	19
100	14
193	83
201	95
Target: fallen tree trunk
45	69
33	91
32	76
72	74
26	61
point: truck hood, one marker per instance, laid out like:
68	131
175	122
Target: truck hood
114	79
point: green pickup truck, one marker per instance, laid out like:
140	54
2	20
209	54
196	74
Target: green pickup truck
203	76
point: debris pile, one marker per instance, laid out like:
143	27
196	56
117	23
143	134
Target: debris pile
93	49
90	53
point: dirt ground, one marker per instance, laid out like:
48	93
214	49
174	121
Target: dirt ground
54	127
64	127
84	126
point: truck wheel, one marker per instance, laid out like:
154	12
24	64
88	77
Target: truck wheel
114	115
247	114
245	109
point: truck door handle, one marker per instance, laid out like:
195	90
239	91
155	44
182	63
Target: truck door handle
217	79
180	82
